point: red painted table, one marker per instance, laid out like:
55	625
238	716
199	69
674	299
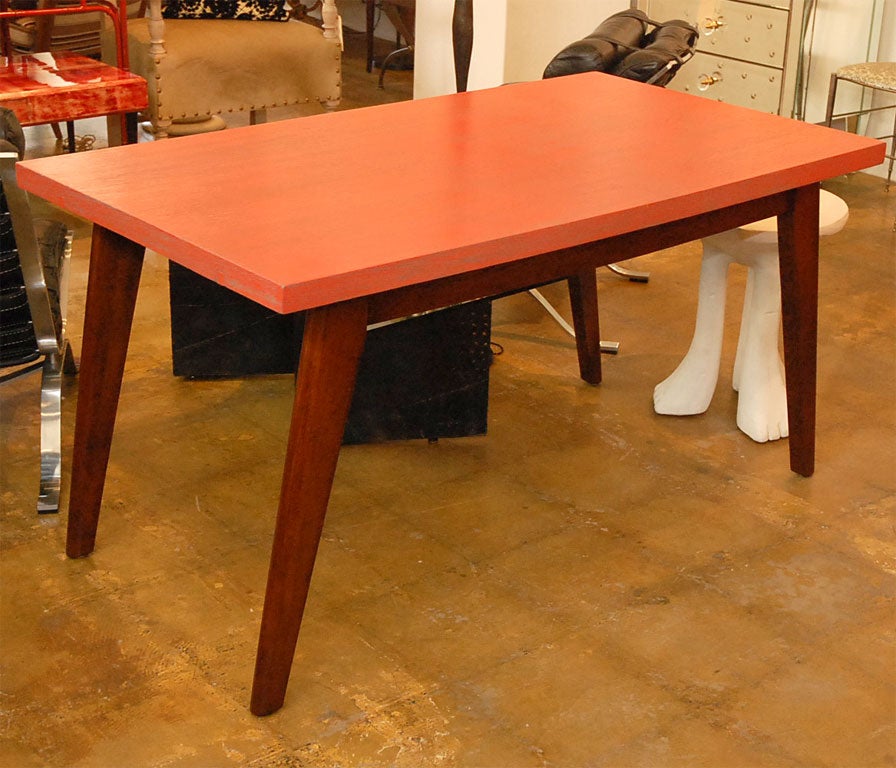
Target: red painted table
500	190
60	87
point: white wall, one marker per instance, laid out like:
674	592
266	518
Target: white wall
850	32
513	39
841	32
434	56
537	31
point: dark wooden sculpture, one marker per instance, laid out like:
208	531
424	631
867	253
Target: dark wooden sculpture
462	28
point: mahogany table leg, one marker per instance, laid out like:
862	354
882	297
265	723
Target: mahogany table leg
583	301
115	265
331	348
798	250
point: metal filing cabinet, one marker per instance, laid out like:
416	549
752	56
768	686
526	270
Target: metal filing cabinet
747	54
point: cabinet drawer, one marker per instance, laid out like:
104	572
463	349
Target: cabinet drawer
734	82
743	31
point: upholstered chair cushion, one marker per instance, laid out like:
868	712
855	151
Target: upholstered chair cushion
218	66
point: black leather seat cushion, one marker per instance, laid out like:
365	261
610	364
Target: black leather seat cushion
622	46
600	51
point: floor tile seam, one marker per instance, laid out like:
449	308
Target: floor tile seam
178	427
837	548
769	623
694	576
831	648
18	534
673	694
769	617
111	595
449	543
424	689
673	723
557	635
144	506
725	708
394	642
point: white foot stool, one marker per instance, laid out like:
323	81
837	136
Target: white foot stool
758	370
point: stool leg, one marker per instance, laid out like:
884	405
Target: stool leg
746	315
689	389
759	371
832	97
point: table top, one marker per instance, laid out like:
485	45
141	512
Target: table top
307	212
59	86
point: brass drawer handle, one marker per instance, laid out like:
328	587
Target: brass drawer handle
711	25
707	81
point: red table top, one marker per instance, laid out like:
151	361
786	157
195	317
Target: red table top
307	212
59	86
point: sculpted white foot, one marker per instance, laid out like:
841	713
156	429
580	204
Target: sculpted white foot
762	408
690	387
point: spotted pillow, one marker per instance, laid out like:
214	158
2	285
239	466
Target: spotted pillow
248	10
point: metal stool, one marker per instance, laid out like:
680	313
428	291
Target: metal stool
878	76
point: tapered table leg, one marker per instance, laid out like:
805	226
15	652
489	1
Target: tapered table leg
583	301
798	250
331	348
115	265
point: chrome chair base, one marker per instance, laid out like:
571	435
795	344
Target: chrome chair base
631	274
53	367
607	347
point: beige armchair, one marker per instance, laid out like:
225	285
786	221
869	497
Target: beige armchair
198	69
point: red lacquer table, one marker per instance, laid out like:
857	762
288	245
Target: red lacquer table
500	190
60	87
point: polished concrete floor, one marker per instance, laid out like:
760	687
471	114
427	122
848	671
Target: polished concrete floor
590	584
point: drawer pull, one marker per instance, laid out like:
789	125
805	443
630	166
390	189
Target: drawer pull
707	81
711	25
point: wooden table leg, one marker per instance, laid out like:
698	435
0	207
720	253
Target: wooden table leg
798	251
115	265
331	348
583	301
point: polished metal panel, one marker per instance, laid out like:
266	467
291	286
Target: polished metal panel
49	330
29	257
50	434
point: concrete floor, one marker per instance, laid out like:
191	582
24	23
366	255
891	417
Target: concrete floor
588	585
